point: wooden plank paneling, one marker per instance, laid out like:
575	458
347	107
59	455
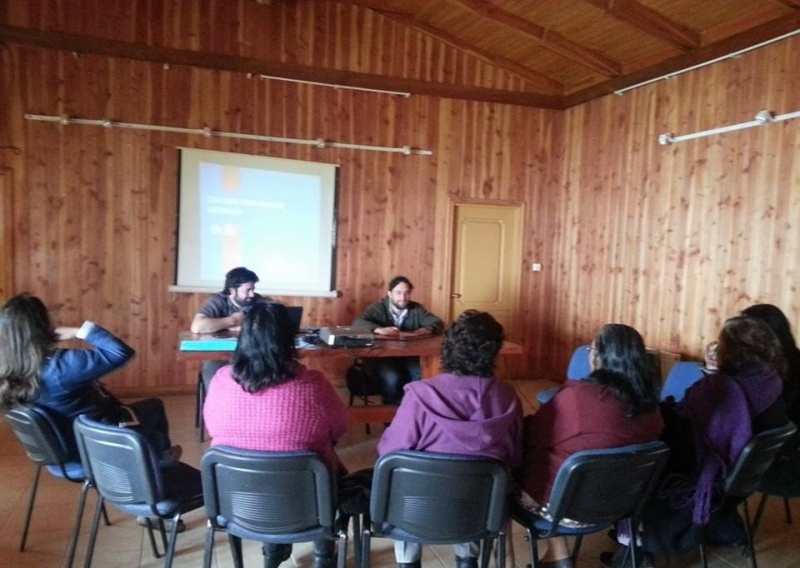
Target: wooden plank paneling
669	239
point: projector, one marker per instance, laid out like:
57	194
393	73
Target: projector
346	336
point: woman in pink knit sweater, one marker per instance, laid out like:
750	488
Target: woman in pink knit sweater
266	400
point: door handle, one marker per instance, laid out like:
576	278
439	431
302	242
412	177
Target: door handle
455	295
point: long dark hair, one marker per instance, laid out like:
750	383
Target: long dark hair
27	338
747	342
265	354
471	344
621	364
779	324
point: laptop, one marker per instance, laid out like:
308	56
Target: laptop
295	314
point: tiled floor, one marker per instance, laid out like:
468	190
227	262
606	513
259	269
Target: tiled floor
124	544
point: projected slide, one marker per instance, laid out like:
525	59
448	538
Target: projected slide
274	216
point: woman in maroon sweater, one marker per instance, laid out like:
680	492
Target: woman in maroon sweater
617	405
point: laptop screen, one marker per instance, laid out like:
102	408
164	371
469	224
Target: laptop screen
295	314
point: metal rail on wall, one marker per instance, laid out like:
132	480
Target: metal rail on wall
762	117
210	133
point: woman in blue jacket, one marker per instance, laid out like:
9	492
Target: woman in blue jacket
33	370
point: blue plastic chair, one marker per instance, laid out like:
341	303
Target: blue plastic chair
682	375
578	369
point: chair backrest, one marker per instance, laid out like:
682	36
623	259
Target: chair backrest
579	367
599	487
682	375
269	496
43	442
118	462
755	459
437	498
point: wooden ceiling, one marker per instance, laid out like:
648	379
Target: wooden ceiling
568	52
553	53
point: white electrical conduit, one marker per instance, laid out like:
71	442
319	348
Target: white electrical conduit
208	132
761	118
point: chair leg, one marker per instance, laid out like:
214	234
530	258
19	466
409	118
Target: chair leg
365	547
34	489
759	512
703	559
341	557
199	420
236	550
152	538
787	510
209	548
73	541
93	532
750	546
533	548
173	539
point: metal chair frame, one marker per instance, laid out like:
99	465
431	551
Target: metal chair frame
596	488
269	497
433	498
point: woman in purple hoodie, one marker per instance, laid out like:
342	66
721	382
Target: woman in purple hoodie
465	410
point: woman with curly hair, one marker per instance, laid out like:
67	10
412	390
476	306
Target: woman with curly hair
464	410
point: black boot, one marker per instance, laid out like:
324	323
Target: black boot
323	553
275	554
415	564
622	559
469	562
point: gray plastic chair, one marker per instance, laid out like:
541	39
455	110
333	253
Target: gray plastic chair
269	497
45	446
120	464
433	498
596	488
748	471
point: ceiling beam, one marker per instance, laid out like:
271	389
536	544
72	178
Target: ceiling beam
536	79
208	60
650	22
733	44
549	40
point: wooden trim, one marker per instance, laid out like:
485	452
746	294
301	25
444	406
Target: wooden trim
209	60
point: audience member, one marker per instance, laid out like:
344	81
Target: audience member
465	410
225	310
617	405
706	432
266	400
397	317
779	324
34	370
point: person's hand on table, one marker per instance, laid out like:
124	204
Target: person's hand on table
386	332
421	332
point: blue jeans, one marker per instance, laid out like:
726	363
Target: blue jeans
393	373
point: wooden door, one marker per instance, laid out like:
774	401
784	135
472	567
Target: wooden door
487	261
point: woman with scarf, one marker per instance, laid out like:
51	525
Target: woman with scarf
707	431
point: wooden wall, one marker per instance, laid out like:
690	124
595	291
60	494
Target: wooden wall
669	239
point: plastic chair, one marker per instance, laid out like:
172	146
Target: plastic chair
682	375
46	447
578	369
596	488
432	498
782	480
120	464
747	473
270	497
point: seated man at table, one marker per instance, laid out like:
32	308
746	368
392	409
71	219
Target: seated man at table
397	317
465	410
225	310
